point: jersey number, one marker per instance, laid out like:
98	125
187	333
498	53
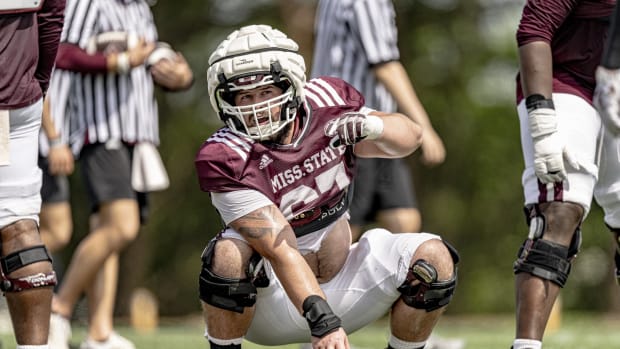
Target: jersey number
304	195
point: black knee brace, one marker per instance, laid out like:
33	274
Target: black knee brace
227	293
543	258
20	259
429	294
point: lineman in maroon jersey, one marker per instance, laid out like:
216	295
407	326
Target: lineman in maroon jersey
568	160
283	270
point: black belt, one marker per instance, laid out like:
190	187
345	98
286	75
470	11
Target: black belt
320	217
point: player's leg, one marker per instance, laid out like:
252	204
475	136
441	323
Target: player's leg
544	264
428	289
101	296
112	195
555	212
56	223
398	210
375	279
26	281
605	193
26	265
226	292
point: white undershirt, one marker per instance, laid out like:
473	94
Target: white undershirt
236	204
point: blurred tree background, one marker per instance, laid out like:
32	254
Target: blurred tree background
461	56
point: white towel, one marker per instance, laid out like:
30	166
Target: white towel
148	172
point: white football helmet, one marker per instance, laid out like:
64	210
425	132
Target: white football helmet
254	56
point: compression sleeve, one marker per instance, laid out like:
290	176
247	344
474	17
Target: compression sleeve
236	204
50	20
71	57
611	56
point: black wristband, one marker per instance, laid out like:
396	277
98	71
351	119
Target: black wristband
320	316
537	101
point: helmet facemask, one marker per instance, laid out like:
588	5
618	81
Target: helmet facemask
257	120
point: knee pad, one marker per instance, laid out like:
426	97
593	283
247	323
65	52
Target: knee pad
429	294
543	258
20	259
230	293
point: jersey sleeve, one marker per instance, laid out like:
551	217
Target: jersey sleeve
326	91
50	20
219	166
541	19
376	21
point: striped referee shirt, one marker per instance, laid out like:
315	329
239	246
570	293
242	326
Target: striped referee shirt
99	107
350	37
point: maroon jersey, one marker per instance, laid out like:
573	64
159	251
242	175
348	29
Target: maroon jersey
299	177
576	31
28	45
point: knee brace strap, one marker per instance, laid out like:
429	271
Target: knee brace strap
28	282
20	259
545	259
226	293
429	294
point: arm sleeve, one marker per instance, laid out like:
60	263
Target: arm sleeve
236	204
50	21
376	25
611	57
71	57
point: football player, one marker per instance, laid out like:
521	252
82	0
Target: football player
283	269
568	159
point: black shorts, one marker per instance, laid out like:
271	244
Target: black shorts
107	176
380	184
54	189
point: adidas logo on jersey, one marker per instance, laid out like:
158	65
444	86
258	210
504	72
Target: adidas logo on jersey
264	161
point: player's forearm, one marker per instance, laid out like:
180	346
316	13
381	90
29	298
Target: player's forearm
270	234
47	124
536	68
395	79
400	137
296	277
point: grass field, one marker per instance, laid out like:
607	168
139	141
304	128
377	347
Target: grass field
577	331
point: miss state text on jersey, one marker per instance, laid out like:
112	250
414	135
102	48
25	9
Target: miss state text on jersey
297	177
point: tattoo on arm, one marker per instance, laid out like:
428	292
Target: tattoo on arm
259	223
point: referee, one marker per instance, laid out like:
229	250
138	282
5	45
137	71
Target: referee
108	97
357	40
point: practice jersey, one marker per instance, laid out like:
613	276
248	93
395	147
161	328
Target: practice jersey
576	31
299	177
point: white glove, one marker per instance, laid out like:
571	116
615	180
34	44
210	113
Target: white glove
607	97
549	149
353	127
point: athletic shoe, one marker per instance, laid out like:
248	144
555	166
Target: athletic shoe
60	332
435	342
115	341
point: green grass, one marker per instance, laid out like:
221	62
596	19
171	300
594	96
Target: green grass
577	331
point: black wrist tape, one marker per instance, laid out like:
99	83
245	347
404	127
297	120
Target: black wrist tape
537	101
320	316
